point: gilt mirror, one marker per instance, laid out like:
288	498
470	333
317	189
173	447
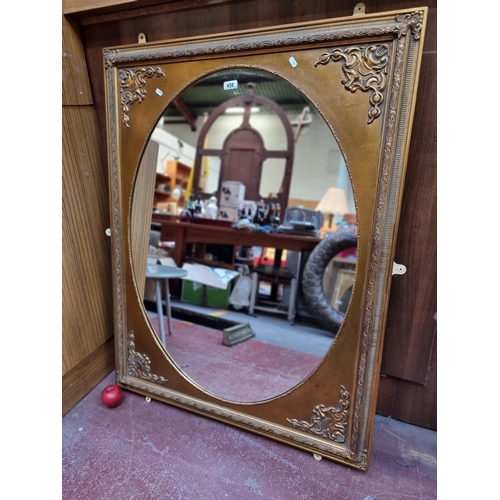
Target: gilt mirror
323	106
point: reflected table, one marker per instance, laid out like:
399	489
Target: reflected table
186	233
163	273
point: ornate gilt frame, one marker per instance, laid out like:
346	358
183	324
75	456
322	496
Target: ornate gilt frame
361	73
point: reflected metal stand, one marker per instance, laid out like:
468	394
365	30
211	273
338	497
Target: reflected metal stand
159	273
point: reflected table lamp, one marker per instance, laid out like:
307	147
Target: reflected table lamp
333	203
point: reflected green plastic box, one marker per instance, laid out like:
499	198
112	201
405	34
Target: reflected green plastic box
205	295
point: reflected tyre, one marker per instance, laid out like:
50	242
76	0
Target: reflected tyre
312	279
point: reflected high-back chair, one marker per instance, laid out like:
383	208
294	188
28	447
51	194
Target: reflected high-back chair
244	152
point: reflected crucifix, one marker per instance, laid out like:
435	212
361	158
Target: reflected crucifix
302	122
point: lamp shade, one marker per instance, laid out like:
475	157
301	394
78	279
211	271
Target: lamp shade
333	202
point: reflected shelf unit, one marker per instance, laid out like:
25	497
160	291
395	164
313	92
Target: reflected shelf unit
163	190
176	175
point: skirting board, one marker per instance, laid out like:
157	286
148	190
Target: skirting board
81	379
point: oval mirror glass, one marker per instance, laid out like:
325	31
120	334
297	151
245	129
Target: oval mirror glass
239	161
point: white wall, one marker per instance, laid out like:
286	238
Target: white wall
318	162
171	147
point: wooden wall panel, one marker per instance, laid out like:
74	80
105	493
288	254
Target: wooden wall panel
74	6
87	319
75	80
413	301
413	296
82	378
410	401
93	11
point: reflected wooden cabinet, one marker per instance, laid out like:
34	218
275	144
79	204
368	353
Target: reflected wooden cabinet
163	190
179	173
176	175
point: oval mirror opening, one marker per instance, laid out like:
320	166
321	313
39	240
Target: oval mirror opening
241	179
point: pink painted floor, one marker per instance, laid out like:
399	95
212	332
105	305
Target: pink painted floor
248	371
142	450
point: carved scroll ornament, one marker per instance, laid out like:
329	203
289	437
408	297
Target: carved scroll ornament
330	422
139	365
133	87
365	69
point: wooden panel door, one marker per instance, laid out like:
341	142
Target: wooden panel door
87	315
242	161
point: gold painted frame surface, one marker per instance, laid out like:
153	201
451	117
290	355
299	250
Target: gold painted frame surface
361	73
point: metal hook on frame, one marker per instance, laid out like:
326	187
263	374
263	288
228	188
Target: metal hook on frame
398	269
359	9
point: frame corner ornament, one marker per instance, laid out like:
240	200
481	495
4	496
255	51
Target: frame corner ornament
139	365
365	69
329	422
412	22
109	56
360	460
133	87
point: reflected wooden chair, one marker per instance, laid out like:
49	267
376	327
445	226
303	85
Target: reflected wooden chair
277	277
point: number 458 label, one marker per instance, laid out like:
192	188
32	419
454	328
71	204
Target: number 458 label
231	84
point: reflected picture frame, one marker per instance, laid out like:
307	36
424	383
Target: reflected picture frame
343	282
361	73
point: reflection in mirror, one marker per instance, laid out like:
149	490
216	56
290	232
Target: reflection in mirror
211	181
338	279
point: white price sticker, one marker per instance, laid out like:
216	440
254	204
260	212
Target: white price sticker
159	92
231	85
293	62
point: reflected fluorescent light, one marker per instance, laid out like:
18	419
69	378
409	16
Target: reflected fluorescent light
238	109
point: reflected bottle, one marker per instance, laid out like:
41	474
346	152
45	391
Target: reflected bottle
198	207
277	215
187	213
212	210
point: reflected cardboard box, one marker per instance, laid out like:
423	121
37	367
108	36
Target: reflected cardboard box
208	286
228	213
233	193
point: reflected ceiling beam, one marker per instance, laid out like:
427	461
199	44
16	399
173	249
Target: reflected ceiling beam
199	108
186	112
